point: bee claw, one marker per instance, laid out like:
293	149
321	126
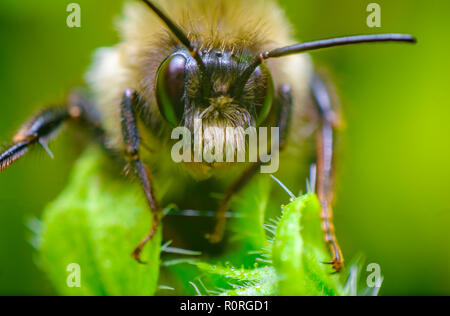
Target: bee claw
337	266
329	262
46	148
214	238
137	256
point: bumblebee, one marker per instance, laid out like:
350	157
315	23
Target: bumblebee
227	63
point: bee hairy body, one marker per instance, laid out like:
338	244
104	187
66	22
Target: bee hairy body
229	33
236	28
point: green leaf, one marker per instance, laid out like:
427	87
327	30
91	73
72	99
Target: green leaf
248	234
96	223
299	251
293	263
212	279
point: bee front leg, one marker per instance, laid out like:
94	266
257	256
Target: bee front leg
43	127
285	103
328	122
224	205
40	129
131	140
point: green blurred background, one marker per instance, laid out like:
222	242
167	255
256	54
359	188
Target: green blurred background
393	191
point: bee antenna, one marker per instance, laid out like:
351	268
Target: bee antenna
179	34
310	46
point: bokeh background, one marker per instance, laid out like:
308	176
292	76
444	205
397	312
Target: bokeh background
394	162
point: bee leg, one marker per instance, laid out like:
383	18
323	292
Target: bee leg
328	122
285	113
87	117
224	205
284	121
40	129
132	140
44	125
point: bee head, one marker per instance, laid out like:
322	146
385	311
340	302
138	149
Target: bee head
213	91
207	84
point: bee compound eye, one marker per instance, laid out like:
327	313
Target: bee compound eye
265	93
170	89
